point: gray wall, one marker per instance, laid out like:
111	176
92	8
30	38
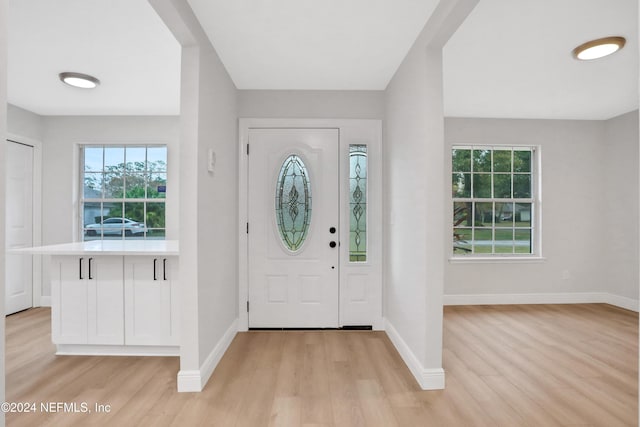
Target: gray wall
351	104
415	184
620	219
217	225
589	199
3	131
21	122
208	202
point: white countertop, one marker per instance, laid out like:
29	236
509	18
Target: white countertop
107	247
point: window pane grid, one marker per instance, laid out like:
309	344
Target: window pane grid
493	201
124	187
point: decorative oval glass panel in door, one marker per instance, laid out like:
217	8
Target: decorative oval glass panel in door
293	203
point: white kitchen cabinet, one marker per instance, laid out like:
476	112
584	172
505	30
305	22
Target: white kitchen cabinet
151	300
115	298
87	305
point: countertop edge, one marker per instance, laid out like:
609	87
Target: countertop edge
157	248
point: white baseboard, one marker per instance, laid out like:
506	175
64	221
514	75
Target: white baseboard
428	379
195	380
218	351
543	298
116	350
189	381
622	302
45	301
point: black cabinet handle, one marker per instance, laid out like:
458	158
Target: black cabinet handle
154	269
80	264
164	269
90	259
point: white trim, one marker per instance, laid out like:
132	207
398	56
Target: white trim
433	379
243	219
78	177
543	298
45	301
622	302
116	350
218	351
189	381
195	380
536	200
428	379
497	259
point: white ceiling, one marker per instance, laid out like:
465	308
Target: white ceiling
312	44
124	43
511	58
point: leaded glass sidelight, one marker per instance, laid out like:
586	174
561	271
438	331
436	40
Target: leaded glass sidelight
357	203
293	202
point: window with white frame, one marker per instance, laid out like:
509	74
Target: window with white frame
495	204
123	190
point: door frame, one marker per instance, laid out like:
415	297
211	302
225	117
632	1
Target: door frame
367	308
37	299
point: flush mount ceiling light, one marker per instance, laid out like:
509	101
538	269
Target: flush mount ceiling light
80	80
595	49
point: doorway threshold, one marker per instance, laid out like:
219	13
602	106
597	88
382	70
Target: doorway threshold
343	328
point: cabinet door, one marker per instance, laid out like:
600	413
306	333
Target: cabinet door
104	281
68	300
151	301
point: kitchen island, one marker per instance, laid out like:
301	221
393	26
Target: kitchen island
114	297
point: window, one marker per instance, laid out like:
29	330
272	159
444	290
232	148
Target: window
293	202
357	203
123	190
494	201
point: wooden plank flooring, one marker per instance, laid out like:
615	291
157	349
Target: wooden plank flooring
542	365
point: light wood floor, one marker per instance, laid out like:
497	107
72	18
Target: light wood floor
560	365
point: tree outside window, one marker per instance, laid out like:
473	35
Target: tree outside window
494	200
124	190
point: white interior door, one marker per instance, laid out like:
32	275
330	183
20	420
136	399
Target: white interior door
19	227
293	211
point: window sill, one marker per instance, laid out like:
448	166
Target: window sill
497	260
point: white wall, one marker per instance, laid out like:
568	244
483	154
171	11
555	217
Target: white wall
413	156
24	123
621	219
3	132
209	202
329	104
582	214
218	202
415	199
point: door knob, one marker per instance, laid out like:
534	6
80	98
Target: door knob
332	230
332	244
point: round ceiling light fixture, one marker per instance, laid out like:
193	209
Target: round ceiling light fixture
599	48
80	80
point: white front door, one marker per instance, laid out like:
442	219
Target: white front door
19	226
293	212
